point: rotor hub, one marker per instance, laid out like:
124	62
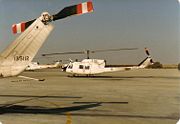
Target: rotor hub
46	18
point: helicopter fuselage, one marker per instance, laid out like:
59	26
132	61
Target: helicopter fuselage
86	67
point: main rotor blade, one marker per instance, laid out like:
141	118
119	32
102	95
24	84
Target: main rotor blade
63	53
78	9
109	50
89	51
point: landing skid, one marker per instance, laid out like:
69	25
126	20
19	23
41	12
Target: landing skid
81	76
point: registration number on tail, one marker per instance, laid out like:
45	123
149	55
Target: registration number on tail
21	58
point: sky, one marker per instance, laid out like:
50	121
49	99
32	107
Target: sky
113	24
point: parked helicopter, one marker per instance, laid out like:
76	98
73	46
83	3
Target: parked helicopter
21	52
91	67
36	66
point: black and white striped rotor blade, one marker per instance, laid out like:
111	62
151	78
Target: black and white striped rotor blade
147	51
78	9
21	27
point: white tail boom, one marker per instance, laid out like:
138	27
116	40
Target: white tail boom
144	64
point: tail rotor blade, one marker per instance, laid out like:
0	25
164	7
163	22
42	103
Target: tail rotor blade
78	9
21	27
68	11
151	61
147	51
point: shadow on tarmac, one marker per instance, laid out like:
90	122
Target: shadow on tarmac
21	109
125	77
12	107
33	96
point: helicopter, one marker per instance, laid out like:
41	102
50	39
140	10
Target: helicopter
91	67
19	54
36	66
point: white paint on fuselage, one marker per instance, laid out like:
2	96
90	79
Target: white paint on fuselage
87	67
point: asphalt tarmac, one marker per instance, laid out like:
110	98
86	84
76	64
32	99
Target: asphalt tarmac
148	96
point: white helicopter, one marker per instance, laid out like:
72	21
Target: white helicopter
36	66
20	53
91	67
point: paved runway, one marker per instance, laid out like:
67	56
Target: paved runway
150	96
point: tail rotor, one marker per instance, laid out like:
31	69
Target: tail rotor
148	54
147	51
46	18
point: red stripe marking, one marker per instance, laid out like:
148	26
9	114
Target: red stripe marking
14	29
90	6
79	9
22	26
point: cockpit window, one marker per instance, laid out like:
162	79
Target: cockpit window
70	66
87	67
81	66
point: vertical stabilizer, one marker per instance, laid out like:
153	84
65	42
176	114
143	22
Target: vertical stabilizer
21	52
147	61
